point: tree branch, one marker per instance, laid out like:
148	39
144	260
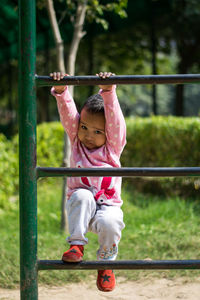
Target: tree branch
77	36
57	36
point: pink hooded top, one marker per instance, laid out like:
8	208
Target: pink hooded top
106	190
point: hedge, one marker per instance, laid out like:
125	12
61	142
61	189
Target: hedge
155	141
49	154
163	142
50	137
8	170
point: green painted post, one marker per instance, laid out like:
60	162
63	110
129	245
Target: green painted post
27	151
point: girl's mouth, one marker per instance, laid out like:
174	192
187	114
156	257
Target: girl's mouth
89	145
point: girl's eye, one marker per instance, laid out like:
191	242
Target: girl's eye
98	132
83	127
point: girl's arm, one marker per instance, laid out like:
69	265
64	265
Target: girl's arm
69	115
115	123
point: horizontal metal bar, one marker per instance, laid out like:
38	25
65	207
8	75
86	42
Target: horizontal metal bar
118	172
119	265
121	79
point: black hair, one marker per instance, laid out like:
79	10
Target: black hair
94	104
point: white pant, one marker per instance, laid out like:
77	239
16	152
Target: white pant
85	215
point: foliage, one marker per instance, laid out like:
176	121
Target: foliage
8	171
50	144
96	10
124	49
49	154
162	141
186	15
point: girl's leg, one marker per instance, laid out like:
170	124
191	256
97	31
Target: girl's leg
81	209
108	224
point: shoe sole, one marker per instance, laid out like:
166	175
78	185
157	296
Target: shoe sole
105	289
72	260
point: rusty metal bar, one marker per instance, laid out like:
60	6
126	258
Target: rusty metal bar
120	265
121	79
118	172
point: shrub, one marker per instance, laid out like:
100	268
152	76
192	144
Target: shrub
49	154
163	142
8	170
50	144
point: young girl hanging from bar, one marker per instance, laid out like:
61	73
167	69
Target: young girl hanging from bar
97	136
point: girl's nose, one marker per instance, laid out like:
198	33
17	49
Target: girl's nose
88	137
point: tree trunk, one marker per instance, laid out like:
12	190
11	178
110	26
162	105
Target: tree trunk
77	36
179	91
154	67
91	56
179	100
43	96
57	36
61	68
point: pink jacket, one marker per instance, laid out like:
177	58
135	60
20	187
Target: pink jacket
106	190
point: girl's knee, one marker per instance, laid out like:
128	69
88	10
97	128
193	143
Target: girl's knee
82	203
81	196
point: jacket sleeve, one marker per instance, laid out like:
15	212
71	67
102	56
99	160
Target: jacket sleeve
68	113
115	122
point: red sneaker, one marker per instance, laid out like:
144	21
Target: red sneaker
74	254
106	280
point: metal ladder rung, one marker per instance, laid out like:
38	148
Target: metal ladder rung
119	172
119	265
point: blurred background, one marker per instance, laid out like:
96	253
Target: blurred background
140	37
125	37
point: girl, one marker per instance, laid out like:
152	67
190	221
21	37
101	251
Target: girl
97	136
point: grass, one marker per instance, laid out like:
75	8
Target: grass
156	227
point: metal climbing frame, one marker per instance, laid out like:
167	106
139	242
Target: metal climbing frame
29	172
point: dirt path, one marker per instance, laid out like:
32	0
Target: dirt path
155	289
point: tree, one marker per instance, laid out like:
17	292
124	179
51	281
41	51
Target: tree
175	24
186	16
93	10
78	34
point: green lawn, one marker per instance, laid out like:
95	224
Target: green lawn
156	228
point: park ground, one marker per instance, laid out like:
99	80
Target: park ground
153	289
159	228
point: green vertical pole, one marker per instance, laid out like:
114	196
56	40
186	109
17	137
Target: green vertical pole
27	151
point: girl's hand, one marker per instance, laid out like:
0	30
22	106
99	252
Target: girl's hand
59	89
105	75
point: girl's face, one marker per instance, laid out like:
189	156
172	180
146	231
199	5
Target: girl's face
91	131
